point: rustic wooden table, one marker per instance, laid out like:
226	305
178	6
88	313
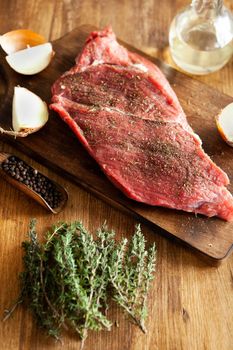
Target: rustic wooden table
191	301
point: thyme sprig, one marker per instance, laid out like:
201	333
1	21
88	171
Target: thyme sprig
131	272
68	279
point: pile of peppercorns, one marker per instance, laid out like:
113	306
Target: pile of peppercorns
24	173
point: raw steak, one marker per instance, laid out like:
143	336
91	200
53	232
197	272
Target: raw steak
124	112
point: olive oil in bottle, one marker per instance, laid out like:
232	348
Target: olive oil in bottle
201	37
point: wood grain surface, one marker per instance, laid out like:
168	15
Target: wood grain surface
191	300
64	153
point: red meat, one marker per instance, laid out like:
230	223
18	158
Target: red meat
124	112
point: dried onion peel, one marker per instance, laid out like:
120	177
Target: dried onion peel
20	39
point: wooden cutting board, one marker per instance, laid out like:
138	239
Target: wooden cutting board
57	147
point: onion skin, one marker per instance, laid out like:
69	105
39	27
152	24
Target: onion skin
20	39
24	133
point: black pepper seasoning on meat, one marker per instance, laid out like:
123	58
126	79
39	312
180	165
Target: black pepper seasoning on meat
39	183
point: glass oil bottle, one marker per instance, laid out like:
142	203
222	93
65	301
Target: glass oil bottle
201	37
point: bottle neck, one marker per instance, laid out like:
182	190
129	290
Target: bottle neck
207	8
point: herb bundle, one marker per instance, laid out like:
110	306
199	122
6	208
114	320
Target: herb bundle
68	279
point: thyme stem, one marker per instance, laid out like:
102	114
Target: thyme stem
66	279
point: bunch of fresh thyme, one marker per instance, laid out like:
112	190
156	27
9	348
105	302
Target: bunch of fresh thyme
68	279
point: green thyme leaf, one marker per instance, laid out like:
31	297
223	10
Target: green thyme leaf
66	280
131	272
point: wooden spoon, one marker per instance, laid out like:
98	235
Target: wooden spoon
30	192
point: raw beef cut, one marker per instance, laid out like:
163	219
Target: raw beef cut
124	112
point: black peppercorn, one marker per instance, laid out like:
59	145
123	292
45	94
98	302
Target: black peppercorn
43	186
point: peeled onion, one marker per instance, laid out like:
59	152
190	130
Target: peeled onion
225	124
31	60
29	112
